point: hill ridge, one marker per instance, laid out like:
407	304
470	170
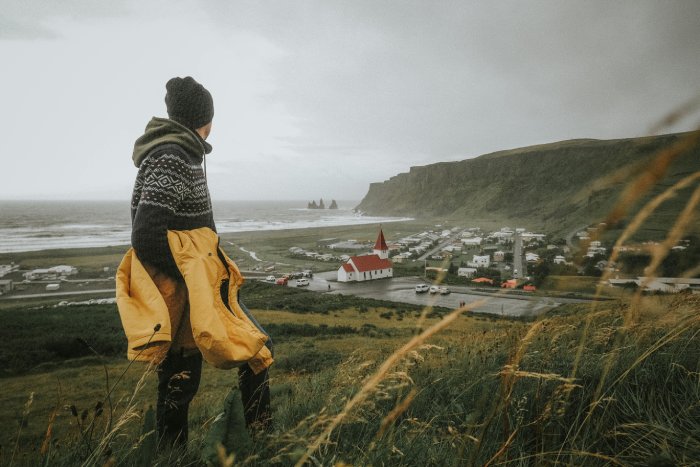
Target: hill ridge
552	185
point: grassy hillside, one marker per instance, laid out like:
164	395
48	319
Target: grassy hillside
611	385
554	186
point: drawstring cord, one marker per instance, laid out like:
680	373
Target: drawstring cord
204	158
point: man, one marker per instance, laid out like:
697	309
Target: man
171	193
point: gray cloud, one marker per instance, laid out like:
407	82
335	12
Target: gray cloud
431	80
32	19
323	97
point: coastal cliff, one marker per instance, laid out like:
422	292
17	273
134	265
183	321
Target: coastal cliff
555	185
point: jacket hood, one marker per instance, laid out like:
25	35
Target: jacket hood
161	131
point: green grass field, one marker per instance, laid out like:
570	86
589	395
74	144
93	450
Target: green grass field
612	385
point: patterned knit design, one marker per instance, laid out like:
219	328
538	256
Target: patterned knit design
170	193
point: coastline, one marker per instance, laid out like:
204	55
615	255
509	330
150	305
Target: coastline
269	245
51	226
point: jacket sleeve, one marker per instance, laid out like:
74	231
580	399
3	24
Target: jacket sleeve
166	182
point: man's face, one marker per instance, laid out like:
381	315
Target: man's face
204	131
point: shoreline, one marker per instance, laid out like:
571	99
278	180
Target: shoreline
263	234
370	220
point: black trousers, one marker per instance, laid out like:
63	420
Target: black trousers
178	382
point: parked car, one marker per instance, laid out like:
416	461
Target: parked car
282	281
422	288
270	278
434	289
444	291
302	282
308	273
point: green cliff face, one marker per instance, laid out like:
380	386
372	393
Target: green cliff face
554	186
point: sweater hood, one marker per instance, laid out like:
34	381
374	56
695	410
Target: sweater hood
160	131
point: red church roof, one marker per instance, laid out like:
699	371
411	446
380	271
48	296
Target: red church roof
348	267
370	263
380	244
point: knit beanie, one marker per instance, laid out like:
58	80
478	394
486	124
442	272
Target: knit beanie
188	102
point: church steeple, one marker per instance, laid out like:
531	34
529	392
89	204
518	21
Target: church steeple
380	248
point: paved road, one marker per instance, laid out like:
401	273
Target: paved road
402	289
59	294
441	245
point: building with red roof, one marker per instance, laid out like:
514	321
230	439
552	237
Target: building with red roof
368	267
380	247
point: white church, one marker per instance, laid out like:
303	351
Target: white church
368	267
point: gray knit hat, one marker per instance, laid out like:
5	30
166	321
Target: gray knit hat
188	102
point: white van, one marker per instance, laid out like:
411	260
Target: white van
421	288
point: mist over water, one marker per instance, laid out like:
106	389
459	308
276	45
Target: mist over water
43	225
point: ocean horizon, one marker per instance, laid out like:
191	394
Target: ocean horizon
34	225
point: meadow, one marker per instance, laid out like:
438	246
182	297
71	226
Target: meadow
613	383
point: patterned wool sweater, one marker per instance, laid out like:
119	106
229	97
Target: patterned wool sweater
170	192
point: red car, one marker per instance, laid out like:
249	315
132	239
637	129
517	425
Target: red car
282	281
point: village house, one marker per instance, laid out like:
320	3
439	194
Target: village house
532	257
394	249
529	236
472	241
368	267
559	259
466	272
52	273
479	261
8	268
499	256
453	249
595	250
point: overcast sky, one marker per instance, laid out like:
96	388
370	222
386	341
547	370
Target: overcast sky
320	98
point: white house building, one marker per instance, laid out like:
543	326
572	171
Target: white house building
368	267
532	257
466	272
473	241
479	261
50	273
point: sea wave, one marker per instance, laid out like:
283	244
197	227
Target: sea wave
43	235
329	221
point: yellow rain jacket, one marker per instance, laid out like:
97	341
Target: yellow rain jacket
226	338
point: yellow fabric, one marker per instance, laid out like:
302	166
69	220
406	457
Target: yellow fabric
142	310
225	338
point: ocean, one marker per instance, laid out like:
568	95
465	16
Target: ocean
43	225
